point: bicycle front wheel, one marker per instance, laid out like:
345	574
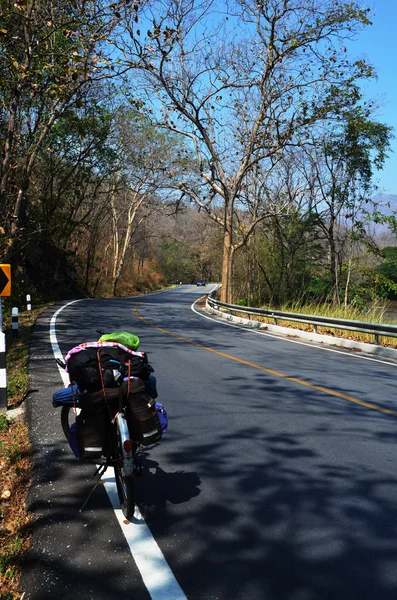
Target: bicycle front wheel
123	471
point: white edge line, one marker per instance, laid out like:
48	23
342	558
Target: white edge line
156	574
284	339
54	342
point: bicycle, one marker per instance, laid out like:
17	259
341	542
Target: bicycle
119	450
105	428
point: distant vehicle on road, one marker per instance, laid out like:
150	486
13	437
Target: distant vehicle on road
200	282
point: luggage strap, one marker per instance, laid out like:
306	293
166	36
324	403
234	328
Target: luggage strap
73	398
101	376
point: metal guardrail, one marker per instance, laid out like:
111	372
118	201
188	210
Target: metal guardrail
376	329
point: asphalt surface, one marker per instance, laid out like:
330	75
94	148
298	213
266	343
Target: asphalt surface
263	488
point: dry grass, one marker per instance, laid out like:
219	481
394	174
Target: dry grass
15	467
15	462
374	315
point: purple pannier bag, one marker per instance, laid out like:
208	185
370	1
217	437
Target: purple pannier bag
73	439
162	414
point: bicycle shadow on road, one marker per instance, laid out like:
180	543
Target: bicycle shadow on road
157	486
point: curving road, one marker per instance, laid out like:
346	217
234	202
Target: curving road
276	481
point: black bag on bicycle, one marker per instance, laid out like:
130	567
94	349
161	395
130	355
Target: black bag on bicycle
143	419
95	365
91	425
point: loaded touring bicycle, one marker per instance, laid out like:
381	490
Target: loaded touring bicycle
109	411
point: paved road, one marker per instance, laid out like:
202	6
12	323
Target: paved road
277	479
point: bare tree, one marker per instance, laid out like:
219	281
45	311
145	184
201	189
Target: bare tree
241	81
149	161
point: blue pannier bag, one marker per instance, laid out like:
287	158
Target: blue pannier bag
65	396
68	396
162	415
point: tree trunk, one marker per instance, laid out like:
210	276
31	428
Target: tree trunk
20	202
249	275
5	167
136	202
226	292
115	232
347	288
269	283
333	257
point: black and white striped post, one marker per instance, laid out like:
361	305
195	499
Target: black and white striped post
5	290
28	303
3	371
14	321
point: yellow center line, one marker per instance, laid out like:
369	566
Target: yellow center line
319	388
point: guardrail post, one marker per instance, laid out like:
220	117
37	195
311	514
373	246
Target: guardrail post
315	328
14	321
376	340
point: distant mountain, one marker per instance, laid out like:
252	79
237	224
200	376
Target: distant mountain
387	203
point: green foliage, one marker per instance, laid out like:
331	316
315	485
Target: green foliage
288	252
387	271
95	145
3	422
50	55
319	287
177	260
13	453
360	146
373	286
243	301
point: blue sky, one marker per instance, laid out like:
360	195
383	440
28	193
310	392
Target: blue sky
378	44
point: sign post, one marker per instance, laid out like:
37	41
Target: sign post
5	290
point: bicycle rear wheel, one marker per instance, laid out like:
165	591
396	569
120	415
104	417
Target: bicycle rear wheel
68	416
124	480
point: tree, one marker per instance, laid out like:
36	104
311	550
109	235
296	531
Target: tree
388	267
241	82
341	171
50	53
189	247
149	161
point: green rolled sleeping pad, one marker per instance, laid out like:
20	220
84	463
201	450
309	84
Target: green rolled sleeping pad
122	337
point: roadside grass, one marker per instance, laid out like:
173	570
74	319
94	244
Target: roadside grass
15	460
373	315
17	355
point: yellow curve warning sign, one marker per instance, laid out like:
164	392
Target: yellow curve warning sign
5	280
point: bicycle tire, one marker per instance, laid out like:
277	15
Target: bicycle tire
66	414
125	484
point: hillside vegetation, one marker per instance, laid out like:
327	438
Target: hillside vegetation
139	150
